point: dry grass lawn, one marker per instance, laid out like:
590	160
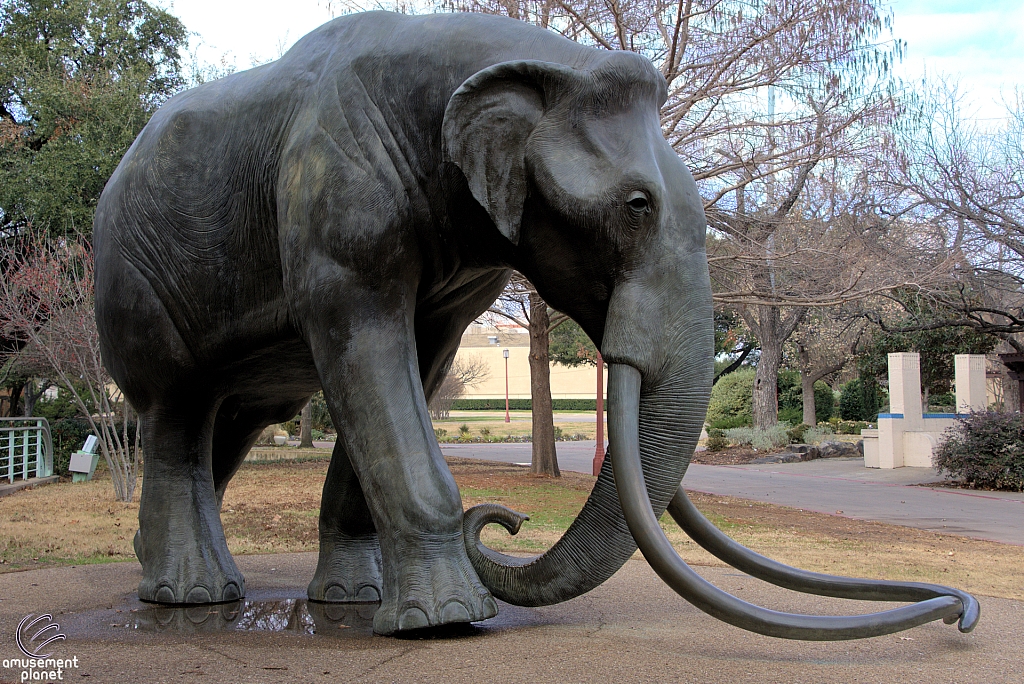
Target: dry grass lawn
273	507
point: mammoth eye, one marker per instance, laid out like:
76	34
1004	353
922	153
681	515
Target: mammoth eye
638	202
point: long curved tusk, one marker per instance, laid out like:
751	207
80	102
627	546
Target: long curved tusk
624	383
713	540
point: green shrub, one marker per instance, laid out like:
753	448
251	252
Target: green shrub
440	432
760	439
716	440
817	435
291	427
773	437
797	432
861	400
56	409
558	432
68	435
848	427
464	430
732	398
942	403
731	422
742	436
791	414
985	450
485	432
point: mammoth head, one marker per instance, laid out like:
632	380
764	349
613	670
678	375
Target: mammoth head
616	239
517	118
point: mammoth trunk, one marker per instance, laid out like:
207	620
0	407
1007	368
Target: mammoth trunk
598	542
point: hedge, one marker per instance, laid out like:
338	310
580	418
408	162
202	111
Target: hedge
524	405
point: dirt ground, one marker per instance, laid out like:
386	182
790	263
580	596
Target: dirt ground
274	507
732	455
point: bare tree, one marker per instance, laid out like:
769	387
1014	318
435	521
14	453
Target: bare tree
961	183
46	303
521	304
765	100
464	372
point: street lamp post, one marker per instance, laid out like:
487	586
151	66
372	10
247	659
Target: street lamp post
599	452
504	353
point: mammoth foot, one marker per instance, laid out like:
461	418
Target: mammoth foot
348	570
434	585
191	574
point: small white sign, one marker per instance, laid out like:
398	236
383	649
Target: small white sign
90	444
81	462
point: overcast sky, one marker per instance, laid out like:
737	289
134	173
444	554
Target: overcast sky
979	42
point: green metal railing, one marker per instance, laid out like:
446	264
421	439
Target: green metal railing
26	448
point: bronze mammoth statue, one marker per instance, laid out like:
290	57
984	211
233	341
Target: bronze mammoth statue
335	220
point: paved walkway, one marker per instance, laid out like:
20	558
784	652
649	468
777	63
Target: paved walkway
836	486
7	487
630	629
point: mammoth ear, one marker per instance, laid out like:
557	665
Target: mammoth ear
486	125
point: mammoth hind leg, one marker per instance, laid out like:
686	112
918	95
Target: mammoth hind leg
704	533
349	567
181	543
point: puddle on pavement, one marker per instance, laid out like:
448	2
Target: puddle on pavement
269	614
285	616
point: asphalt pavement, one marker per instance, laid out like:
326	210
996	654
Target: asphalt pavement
632	628
840	486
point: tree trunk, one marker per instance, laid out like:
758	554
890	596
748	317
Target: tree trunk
15	399
766	386
544	462
772	331
306	427
766	380
32	395
810	410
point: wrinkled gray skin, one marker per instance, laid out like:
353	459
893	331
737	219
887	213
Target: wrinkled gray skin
335	220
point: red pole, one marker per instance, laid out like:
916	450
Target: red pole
599	452
507	419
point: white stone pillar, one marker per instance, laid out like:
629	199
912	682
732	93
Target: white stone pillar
905	388
971	393
904	409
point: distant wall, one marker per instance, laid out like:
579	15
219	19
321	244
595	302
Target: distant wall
566	383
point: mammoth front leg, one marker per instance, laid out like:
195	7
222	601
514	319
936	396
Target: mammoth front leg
370	376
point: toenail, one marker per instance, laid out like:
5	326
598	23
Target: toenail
199	595
413	618
231	592
454	612
335	594
368	594
164	595
490	607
